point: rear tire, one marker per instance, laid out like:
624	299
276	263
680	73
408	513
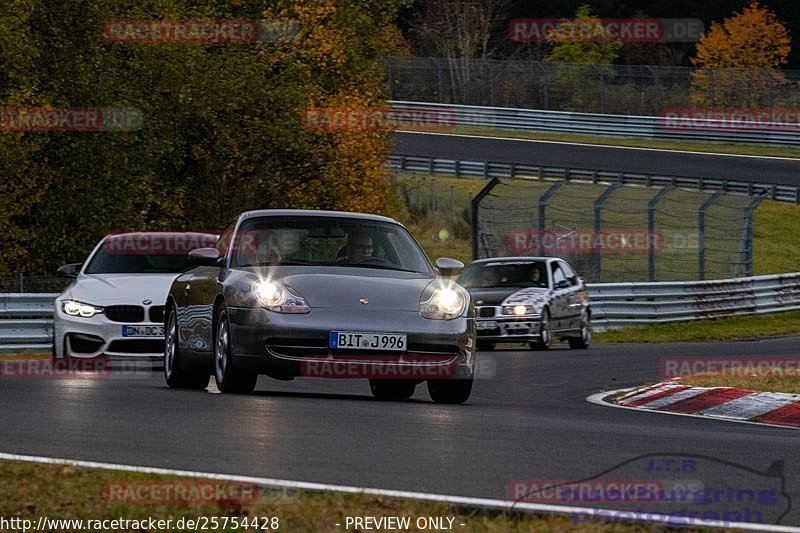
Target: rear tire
229	379
178	377
545	333
450	391
392	389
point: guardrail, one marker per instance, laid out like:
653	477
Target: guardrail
26	320
647	127
616	305
493	169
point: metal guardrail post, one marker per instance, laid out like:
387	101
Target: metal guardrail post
701	233
746	241
598	223
476	202
651	229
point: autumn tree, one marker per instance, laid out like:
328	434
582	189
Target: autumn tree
584	52
738	60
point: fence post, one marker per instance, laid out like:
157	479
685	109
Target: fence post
746	241
651	229
598	223
701	234
476	203
543	199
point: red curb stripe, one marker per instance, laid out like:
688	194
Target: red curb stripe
648	399
705	400
788	415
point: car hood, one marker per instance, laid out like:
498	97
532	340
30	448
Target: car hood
535	297
491	296
345	290
108	289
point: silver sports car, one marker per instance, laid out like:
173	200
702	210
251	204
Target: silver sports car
322	294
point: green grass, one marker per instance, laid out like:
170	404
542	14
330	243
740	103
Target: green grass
662	144
788	384
720	329
776	228
29	490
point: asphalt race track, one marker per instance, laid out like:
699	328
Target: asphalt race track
530	421
668	163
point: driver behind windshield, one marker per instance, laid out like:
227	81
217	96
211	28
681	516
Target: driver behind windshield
358	249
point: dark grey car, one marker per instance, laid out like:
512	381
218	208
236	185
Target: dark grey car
528	299
290	293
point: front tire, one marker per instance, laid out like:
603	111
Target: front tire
452	391
229	379
178	377
582	342
392	389
545	333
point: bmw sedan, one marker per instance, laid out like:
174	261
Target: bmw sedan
323	294
528	299
114	306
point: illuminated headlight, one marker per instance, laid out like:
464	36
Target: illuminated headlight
516	310
443	301
73	308
520	310
278	298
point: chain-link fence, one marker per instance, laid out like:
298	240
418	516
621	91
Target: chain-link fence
612	89
616	232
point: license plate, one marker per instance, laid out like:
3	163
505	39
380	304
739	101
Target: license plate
391	342
487	324
142	331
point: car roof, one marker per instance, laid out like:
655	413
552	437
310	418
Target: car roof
125	234
513	258
315	213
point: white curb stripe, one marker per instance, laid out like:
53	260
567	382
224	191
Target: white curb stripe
750	406
674	398
507	505
635	396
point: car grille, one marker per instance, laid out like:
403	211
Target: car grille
83	343
125	313
157	314
314	348
137	346
486	312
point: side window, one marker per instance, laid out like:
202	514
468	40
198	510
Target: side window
569	273
224	241
558	274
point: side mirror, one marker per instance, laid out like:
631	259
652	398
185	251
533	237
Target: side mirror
70	270
448	267
563	284
205	257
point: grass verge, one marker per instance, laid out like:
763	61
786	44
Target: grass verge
29	491
661	144
719	329
756	382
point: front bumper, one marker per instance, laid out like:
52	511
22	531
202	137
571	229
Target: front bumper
87	338
288	345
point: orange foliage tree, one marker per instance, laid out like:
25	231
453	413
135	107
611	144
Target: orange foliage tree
739	59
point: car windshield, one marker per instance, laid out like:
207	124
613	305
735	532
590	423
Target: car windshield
146	253
327	241
505	274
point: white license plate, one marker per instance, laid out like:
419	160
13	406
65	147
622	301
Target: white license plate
391	342
142	331
487	324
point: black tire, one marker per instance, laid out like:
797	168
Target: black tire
229	379
450	390
176	375
582	342
485	346
392	389
546	334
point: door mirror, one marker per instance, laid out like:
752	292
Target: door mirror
70	270
562	284
448	267
205	257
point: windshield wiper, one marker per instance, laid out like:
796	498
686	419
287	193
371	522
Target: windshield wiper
381	267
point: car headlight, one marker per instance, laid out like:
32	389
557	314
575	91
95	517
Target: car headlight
73	308
278	298
443	300
516	310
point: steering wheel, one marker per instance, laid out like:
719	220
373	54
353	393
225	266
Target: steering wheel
374	261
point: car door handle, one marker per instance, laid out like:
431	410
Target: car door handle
187	288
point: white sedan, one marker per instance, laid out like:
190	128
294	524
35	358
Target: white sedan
115	305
